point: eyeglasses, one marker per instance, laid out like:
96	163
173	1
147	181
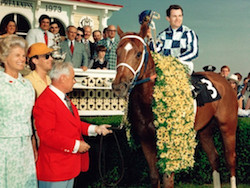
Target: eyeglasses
79	35
46	56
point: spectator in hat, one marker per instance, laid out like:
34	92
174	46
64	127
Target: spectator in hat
41	34
210	68
233	80
40	62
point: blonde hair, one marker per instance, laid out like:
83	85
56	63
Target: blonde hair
10	42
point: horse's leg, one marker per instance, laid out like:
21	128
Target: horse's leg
206	139
168	181
228	132
150	155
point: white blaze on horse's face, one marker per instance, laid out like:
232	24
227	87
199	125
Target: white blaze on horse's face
127	48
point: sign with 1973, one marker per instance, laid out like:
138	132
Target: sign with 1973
53	8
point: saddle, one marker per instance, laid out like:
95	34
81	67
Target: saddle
204	91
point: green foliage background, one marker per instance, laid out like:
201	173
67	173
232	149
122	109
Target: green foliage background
136	169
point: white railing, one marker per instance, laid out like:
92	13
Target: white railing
92	94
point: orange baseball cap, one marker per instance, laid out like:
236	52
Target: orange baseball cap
38	49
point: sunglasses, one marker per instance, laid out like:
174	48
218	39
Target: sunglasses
46	56
79	35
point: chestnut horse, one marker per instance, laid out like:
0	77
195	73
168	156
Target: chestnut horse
134	62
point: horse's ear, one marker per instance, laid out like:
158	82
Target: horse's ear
119	31
144	30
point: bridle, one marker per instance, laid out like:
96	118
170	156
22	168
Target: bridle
144	59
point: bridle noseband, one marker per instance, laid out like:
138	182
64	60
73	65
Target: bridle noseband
144	59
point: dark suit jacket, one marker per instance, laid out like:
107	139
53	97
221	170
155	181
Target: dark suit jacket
92	49
58	129
79	57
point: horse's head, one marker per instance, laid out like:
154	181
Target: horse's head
132	57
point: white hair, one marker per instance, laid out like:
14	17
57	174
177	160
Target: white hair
59	69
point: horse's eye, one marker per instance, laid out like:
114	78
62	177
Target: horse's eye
138	54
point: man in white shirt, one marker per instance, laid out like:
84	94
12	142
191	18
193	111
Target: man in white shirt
62	153
41	34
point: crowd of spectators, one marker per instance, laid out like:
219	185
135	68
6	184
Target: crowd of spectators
241	87
79	44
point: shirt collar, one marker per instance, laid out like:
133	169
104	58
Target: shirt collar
170	30
69	42
38	78
58	92
43	30
113	39
9	79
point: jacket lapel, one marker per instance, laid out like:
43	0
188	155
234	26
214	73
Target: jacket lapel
63	109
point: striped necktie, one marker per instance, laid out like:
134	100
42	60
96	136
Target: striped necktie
66	98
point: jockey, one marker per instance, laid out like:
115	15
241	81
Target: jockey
177	40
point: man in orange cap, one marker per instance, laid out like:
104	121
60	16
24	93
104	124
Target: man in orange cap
40	62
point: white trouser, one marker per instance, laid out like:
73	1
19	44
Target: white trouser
189	64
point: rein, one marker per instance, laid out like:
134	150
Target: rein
100	159
144	60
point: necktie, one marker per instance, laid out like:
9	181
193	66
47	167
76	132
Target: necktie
66	98
111	43
87	48
71	47
46	38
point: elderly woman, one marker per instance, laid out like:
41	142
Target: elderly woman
17	164
10	29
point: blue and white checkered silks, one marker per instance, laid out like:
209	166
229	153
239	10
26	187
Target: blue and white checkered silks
181	43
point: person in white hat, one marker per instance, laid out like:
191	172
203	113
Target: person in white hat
233	80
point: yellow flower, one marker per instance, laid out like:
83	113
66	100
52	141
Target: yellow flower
179	142
163	155
161	120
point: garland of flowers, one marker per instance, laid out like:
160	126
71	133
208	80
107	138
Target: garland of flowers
174	115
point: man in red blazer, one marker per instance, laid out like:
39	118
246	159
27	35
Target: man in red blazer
62	153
